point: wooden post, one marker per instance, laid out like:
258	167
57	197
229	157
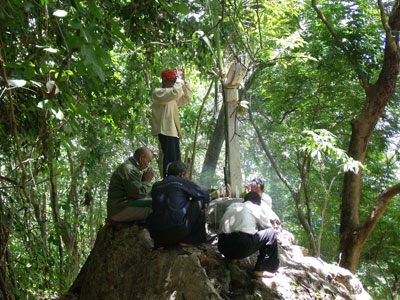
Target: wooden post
232	141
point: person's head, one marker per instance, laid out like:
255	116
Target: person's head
253	197
168	78
257	185
143	156
176	168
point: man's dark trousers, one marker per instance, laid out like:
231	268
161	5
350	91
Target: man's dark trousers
170	149
238	245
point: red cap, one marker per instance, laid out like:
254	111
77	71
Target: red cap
168	74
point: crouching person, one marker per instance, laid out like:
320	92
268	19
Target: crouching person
178	210
129	186
246	228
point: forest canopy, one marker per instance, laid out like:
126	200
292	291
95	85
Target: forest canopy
318	120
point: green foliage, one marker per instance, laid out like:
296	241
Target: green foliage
322	143
79	79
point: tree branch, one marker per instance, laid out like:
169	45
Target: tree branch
339	43
15	131
380	206
269	155
389	37
9	180
259	24
197	130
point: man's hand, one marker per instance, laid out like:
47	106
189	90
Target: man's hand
148	175
180	73
275	222
253	187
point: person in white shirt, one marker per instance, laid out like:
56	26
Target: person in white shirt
174	92
247	227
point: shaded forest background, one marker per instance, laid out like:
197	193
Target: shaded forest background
75	101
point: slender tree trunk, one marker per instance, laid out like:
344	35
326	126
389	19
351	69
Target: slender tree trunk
396	287
197	131
213	152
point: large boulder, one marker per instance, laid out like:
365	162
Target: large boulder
217	208
123	265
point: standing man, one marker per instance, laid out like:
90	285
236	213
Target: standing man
246	228
173	93
178	215
129	184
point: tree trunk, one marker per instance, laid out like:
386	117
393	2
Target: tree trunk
213	152
6	288
197	131
352	234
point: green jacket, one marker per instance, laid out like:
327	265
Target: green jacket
126	186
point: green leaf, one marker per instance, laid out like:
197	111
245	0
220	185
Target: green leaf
13	64
99	72
44	68
88	54
75	41
58	114
166	6
67	128
205	39
181	7
44	104
116	30
29	72
75	24
90	59
66	141
95	10
79	110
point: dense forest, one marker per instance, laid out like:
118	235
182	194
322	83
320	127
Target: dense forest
318	120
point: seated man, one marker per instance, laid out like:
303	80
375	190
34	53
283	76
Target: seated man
129	184
246	228
178	205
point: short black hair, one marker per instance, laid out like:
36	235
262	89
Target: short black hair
253	197
258	181
175	168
